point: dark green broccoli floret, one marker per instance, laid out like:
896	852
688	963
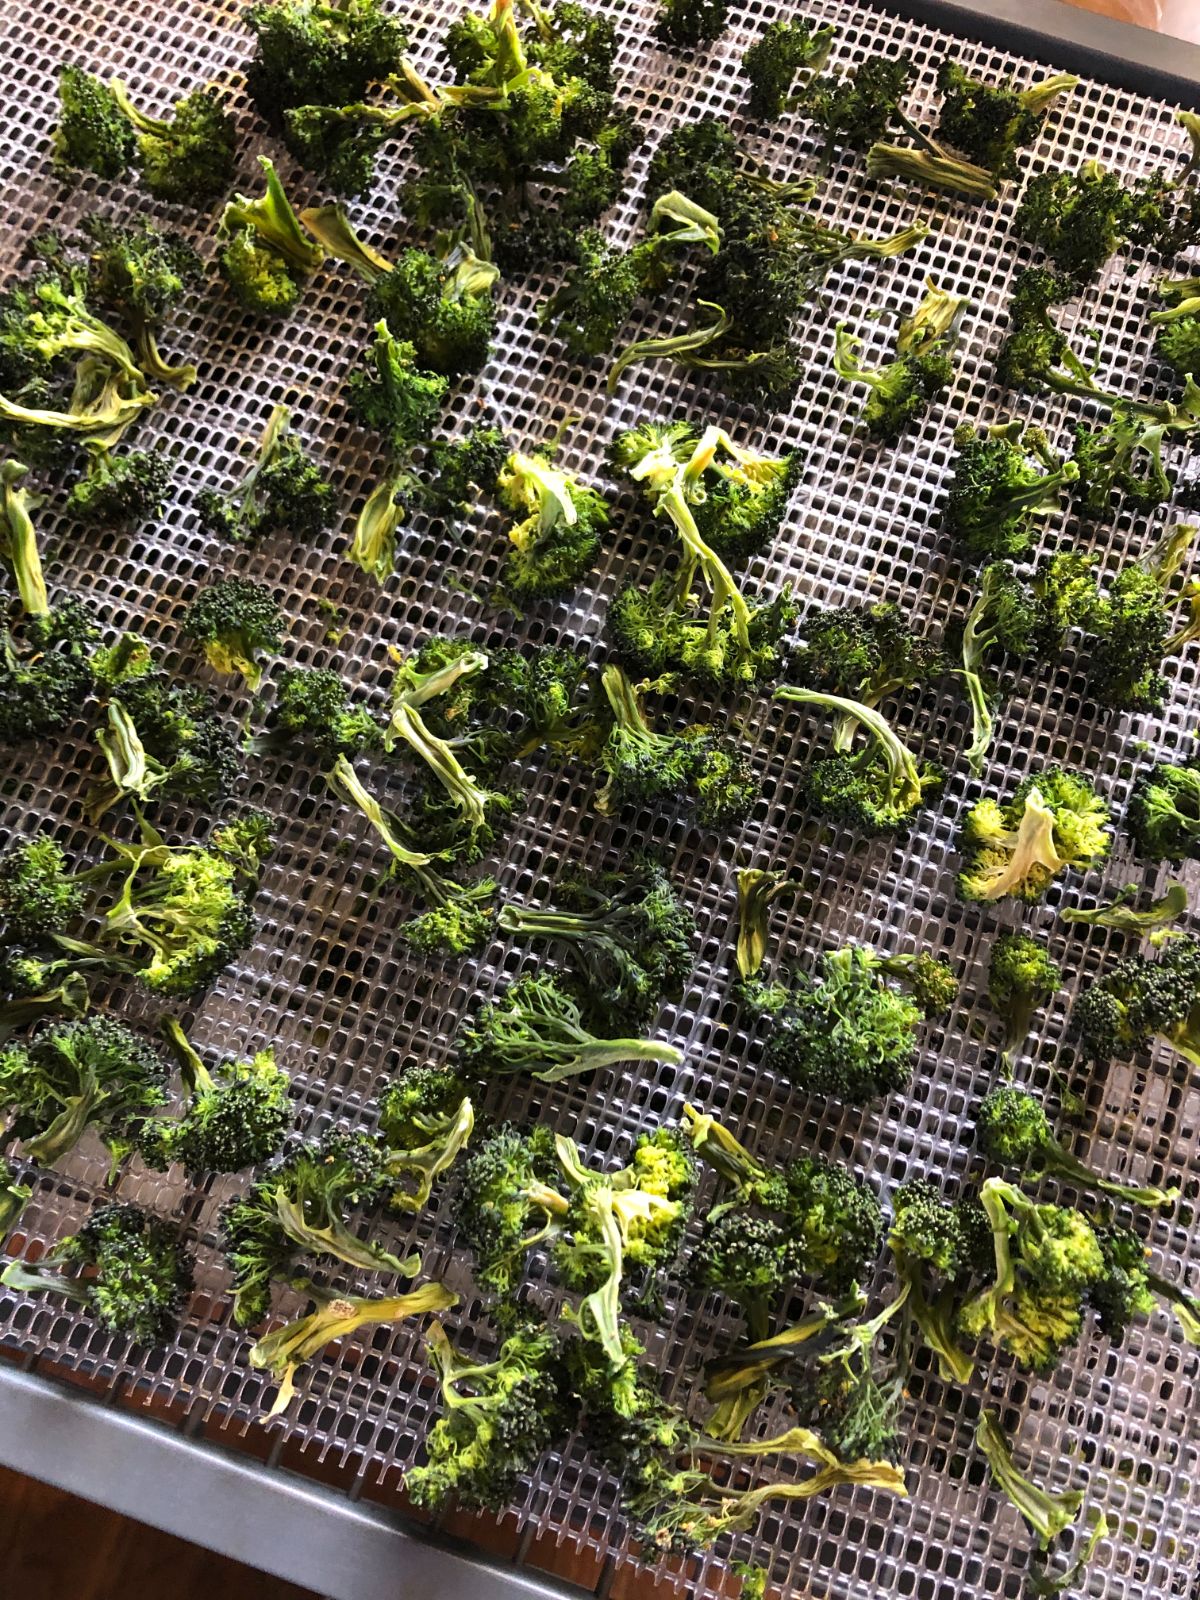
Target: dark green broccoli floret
1178	337
556	541
121	491
1013	1129
508	1202
425	1119
93	132
939	1249
1163	819
1138	1001
1130	634
460	470
1124	456
687	23
922	370
1055	819
1005	477
1036	354
989	122
129	1269
443	308
1079	219
391	394
189	158
847	1032
627	938
875	790
777	57
38	986
537	1026
46	677
235	621
284	492
236	1116
70	1076
863	653
313	712
1021	979
314	54
265	251
38	894
855	111
142	272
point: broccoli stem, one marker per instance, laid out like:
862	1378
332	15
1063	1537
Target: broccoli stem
431	1160
196	1076
757	892
599	1313
274	220
14	1197
904	777
460	787
344	782
1047	1514
738	1383
373	547
1154	923
31	1280
109	420
332	229
20	539
725	591
1032	846
714	1143
1057	1159
1041	96
154	366
1185	1307
131	769
335	1238
924	166
676	346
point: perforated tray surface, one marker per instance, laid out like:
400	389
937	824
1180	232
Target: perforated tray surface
329	982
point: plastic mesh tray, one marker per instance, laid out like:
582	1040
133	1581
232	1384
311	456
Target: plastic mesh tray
329	981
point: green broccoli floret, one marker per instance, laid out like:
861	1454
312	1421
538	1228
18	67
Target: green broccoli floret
265	252
940	1249
425	1120
1021	979
18	539
1130	634
1036	354
121	491
93	132
1124	456
499	1416
847	1032
235	621
688	23
782	53
508	1203
1138	1001
556	541
1005	477
142	272
1013	1129
920	373
988	122
537	1026
460	470
129	1269
627	938
46	677
863	653
391	394
335	1316
236	1117
1163	819
1178	324
69	1076
284	492
444	308
876	790
1079	219
555	694
855	111
1054	820
38	986
313	714
1129	1289
189	158
313	54
38	894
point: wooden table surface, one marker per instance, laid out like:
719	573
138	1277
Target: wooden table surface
53	1546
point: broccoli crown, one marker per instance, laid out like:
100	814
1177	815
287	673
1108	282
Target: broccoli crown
556	541
38	895
140	270
256	1250
864	652
460	470
687	23
1054	820
845	1032
955	1239
772	62
444	309
1122	455
43	689
989	123
313	711
1021	978
284	491
1012	1128
314	54
1078	218
655	631
121	491
1127	642
1138	1000
499	1417
834	1220
1177	342
856	111
237	1117
93	132
750	1256
598	293
259	277
138	1273
71	1075
1163	818
740	503
391	394
1123	1291
1003	480
627	939
551	690
235	621
508	1202
190	158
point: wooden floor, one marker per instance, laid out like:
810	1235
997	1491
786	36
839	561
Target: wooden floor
54	1547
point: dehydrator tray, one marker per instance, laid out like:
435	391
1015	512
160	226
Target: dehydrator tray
179	1435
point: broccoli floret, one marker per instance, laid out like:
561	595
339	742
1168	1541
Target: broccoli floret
627	938
1005	477
989	123
335	1316
554	694
1013	1129
775	60
1079	219
121	491
1178	324
425	1119
313	714
499	1416
1017	847
265	252
556	541
856	110
876	790
391	394
189	158
847	1032
1124	456
93	132
142	272
922	370
235	621
508	1202
863	653
14	1196
688	23
460	470
643	766
91	1072
537	1026
43	688
444	308
1163	819
1035	354
313	54
939	1249
38	894
38	987
1130	634
236	1116
284	492
1021	979
129	1269
1138	1001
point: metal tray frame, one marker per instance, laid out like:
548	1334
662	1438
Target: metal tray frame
224	1500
